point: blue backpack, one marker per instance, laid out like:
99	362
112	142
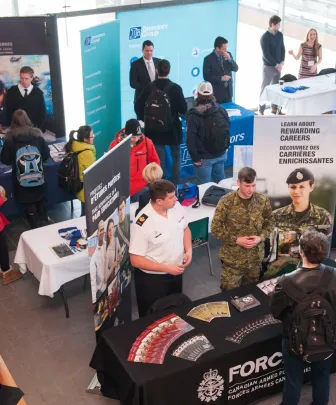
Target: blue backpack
29	168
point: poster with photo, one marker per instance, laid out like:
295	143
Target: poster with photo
31	42
107	205
296	168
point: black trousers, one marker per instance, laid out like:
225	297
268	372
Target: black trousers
151	287
4	257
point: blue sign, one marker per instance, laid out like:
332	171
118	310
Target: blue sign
101	79
134	59
135	33
165	26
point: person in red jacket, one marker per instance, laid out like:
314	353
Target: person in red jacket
7	273
142	153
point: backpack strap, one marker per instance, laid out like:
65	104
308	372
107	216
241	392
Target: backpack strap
197	202
297	295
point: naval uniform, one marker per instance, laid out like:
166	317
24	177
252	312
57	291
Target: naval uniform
160	240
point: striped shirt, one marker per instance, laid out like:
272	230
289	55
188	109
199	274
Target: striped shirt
307	60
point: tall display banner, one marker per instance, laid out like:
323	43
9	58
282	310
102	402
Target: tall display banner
100	46
33	42
107	205
296	168
182	34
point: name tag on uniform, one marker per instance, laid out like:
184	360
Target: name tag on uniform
310	63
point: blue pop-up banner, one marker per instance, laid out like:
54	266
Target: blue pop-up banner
100	48
182	34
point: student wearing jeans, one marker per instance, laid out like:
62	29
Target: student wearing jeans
208	164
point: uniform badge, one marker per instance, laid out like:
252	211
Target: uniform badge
299	175
141	220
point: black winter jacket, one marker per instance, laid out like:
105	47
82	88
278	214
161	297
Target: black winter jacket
15	139
196	130
306	280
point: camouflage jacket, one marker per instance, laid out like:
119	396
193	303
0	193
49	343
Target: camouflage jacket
232	219
317	218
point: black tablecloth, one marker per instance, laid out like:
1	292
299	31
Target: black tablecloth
54	194
250	370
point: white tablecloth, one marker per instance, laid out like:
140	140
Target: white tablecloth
318	99
34	254
194	214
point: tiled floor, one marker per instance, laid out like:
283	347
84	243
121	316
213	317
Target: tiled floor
48	354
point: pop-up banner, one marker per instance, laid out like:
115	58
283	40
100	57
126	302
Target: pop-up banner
100	46
176	36
296	168
107	205
33	42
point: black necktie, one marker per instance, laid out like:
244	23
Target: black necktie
26	93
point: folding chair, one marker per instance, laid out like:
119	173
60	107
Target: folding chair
200	236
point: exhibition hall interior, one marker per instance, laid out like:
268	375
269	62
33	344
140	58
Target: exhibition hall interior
167	202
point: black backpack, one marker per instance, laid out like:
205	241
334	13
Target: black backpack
158	115
217	132
68	173
312	333
213	194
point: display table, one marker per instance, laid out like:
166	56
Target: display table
54	194
203	211
250	370
33	253
318	99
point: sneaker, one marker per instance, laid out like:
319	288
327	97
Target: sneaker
10	276
261	113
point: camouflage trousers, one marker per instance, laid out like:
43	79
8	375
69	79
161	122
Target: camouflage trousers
233	278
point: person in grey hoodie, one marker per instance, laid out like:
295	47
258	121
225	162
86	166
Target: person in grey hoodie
208	135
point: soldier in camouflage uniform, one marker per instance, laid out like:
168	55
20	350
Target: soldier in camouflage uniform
297	217
243	219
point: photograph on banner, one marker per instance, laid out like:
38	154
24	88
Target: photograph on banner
109	262
10	66
293	158
107	207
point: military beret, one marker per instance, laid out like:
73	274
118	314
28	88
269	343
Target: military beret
299	175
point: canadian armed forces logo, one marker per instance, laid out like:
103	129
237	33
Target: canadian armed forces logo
211	387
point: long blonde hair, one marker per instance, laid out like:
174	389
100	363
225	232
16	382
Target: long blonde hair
316	46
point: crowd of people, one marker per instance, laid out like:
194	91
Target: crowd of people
160	242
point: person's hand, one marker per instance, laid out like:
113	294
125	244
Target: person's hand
255	239
174	269
313	68
226	78
279	67
226	56
291	52
186	259
246	242
198	163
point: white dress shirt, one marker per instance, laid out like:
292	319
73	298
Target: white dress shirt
22	89
150	68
